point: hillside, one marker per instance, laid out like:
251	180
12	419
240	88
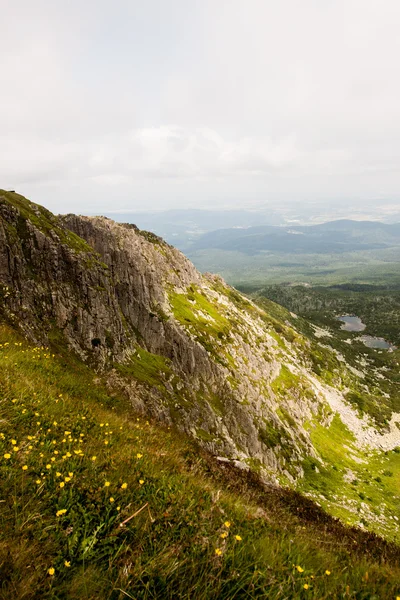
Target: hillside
99	502
254	386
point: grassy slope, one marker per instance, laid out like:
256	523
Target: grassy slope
183	543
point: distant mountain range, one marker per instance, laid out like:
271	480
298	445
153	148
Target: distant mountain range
333	237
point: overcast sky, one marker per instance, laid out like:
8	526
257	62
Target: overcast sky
111	105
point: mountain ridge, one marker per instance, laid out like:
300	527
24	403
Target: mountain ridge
188	349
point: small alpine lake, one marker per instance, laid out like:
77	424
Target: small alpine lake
351	323
354	323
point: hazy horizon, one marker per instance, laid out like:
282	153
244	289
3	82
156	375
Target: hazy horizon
129	106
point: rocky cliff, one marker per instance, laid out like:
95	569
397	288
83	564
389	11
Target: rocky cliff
186	347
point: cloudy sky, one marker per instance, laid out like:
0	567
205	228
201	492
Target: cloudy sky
137	104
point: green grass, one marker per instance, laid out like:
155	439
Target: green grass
374	481
185	511
204	319
151	369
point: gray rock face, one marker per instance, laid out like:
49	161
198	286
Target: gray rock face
185	347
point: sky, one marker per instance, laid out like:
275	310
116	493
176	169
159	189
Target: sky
140	105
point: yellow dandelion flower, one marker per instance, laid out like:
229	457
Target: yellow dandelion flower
16	448
94	458
25	468
141	481
70	474
67	563
101	424
51	571
60	512
107	484
66	479
111	499
300	570
13	442
306	586
7	455
218	551
106	442
138	455
118	508
38	482
227	524
48	466
238	538
124	486
58	474
328	573
62	484
224	535
53	459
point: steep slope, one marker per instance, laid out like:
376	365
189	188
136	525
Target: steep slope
188	349
98	503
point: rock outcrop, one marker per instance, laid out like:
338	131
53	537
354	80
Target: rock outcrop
185	347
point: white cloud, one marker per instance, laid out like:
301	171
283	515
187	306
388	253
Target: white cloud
175	103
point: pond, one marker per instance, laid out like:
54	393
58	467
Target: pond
376	342
352	323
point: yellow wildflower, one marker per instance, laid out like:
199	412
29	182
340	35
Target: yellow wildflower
48	466
15	448
227	524
66	479
300	570
141	481
224	535
60	512
25	468
7	455
306	586
94	458
138	455
51	571
107	484
328	573
124	486
38	482
111	499
238	538
218	551
67	563
62	484
118	508
13	442
70	474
